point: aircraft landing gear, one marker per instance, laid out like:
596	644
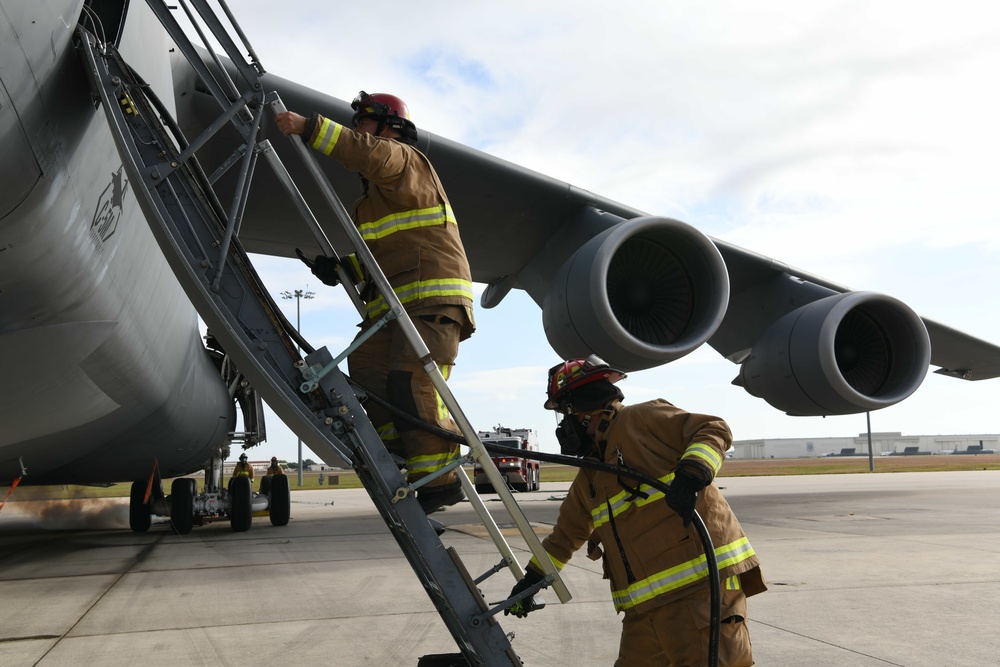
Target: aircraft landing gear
187	508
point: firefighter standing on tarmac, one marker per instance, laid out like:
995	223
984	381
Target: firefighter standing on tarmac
242	468
651	554
272	470
407	222
275	467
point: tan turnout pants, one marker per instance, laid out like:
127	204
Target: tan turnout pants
676	634
386	365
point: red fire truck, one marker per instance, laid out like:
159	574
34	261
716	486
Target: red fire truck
521	474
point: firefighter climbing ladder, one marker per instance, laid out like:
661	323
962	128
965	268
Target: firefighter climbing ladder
200	241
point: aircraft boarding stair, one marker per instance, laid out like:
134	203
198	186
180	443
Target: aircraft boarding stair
199	238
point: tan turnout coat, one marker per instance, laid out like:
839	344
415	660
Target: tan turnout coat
649	557
405	219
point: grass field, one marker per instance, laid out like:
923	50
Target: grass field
554	473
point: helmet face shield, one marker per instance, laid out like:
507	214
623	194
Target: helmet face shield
365	105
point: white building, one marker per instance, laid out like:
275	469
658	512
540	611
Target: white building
885	443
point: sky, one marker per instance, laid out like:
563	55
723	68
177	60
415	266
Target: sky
856	140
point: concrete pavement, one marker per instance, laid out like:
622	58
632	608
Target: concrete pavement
864	570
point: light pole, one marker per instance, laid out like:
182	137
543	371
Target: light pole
298	295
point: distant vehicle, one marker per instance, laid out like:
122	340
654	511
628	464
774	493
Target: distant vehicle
521	474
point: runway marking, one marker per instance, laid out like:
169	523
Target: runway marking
844	517
821	641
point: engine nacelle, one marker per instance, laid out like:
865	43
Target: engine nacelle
844	354
642	293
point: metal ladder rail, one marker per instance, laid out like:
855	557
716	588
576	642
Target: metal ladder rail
239	313
478	452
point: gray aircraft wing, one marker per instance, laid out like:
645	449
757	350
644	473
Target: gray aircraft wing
638	290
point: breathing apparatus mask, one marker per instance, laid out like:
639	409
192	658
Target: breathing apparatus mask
572	436
572	432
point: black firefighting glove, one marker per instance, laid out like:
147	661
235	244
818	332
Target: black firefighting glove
323	267
527	605
683	493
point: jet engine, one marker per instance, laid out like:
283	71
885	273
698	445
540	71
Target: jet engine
843	354
640	294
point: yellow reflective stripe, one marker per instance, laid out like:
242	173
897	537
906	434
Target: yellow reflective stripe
397	222
442	409
356	265
733	583
706	454
387	432
326	138
680	575
422	289
429	463
555	561
621	502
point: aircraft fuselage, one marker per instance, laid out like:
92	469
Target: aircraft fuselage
102	365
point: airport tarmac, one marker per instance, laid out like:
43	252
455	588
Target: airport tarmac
864	570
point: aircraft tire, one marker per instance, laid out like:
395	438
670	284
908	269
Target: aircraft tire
280	501
240	504
182	505
139	512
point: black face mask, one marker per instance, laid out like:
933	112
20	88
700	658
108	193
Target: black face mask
573	438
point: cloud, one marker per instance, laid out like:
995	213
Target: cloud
856	140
